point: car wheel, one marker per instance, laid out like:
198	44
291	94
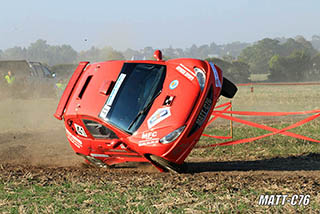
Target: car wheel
228	88
167	165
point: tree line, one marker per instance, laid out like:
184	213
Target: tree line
282	59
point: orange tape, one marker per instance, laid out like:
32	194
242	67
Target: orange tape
253	113
280	83
274	131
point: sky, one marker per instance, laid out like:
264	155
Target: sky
160	24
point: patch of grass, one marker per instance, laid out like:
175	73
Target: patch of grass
80	199
273	146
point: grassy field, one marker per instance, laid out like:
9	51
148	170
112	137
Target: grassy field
218	180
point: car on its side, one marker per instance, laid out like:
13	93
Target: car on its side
141	110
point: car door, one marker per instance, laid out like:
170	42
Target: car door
103	136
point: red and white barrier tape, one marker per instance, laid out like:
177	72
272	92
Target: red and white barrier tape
221	113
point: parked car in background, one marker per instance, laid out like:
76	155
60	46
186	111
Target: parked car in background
30	78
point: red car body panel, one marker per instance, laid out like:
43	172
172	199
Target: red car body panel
89	88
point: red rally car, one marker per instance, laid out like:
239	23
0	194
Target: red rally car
140	111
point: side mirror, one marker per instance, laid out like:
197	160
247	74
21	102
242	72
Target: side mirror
157	55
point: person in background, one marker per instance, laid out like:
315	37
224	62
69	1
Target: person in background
60	86
10	78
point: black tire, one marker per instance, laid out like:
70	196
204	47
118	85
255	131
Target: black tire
228	88
167	165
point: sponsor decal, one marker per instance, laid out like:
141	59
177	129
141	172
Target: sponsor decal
191	72
115	89
148	142
105	110
158	116
174	84
149	135
149	138
168	100
74	140
80	130
186	72
216	75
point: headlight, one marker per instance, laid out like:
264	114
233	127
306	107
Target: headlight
172	136
201	76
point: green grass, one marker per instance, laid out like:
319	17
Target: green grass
224	196
273	146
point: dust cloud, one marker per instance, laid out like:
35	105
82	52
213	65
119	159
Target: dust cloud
29	134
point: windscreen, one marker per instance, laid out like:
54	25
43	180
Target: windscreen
136	87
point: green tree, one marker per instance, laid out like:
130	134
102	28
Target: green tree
297	44
114	55
132	54
239	72
224	65
236	71
43	52
258	55
315	41
315	70
15	53
92	55
291	68
39	51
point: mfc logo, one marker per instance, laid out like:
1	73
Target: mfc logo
149	135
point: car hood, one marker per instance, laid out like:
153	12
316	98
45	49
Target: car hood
170	110
173	106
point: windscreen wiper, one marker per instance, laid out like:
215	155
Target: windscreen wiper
142	111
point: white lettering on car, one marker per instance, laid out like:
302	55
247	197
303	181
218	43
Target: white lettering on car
149	135
148	142
185	72
74	140
107	106
115	89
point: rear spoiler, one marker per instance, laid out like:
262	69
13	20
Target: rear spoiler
68	90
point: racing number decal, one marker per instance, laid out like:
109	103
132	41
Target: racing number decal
80	130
